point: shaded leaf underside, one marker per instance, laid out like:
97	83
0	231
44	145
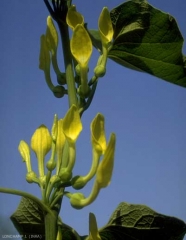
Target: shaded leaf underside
139	222
28	219
128	221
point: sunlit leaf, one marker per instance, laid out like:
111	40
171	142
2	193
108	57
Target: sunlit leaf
146	39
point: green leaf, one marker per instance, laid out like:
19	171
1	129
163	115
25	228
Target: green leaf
139	222
28	219
148	40
95	38
69	233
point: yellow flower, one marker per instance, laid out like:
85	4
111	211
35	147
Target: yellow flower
25	154
73	17
81	46
105	26
105	168
72	125
54	131
60	141
98	134
41	142
51	36
93	228
44	57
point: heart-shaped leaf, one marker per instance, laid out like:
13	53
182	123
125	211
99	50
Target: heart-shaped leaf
148	40
139	222
28	219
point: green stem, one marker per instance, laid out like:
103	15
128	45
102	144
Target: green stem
68	64
29	196
48	79
87	104
56	200
48	176
55	64
51	225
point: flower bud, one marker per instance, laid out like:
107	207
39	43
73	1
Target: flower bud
78	182
42	181
65	175
25	154
61	78
31	177
59	91
51	165
78	70
55	180
75	200
24	151
99	71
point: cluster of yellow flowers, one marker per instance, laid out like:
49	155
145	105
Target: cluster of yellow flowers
62	143
61	140
81	45
81	49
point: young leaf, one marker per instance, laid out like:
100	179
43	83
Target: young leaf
133	221
148	40
28	219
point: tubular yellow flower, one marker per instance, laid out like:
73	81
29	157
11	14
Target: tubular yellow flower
73	17
54	131
79	202
60	141
51	36
72	125
25	154
41	144
98	134
93	228
79	182
105	168
44	57
81	46
105	26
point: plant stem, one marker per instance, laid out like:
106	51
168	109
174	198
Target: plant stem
68	64
51	225
29	196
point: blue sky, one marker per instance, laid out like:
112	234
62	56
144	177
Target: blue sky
147	114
